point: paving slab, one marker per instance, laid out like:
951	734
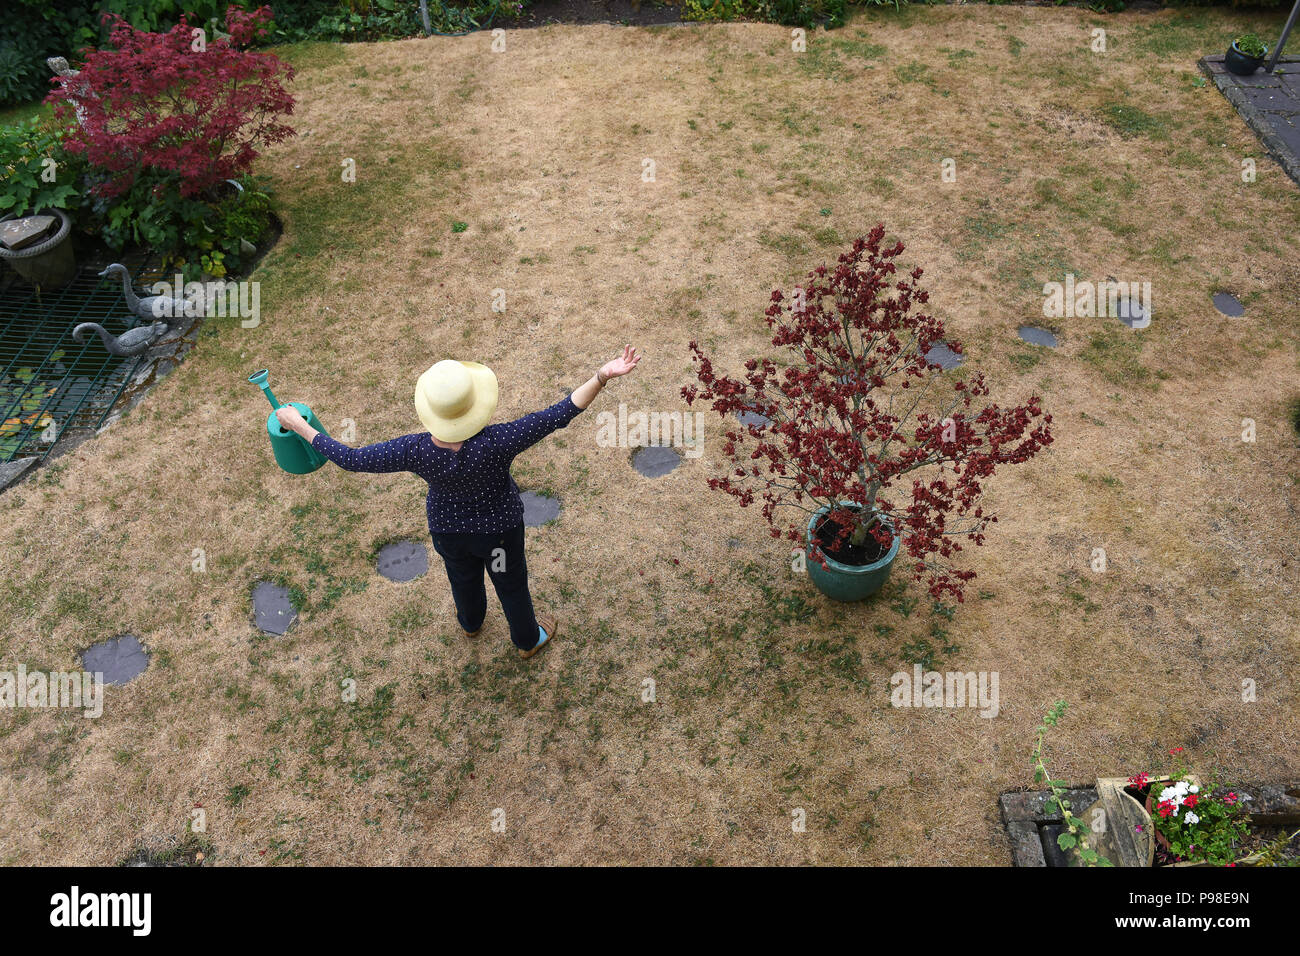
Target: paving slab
1269	103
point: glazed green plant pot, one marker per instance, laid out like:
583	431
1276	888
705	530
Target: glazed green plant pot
1242	64
848	582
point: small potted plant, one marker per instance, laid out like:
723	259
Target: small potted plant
876	449
37	185
1246	55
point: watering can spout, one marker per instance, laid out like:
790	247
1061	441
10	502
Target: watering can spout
292	453
260	378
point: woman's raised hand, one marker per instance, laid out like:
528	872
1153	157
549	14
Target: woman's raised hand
621	365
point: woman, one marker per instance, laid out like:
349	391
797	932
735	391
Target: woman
476	516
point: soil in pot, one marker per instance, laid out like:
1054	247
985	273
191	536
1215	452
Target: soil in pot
869	552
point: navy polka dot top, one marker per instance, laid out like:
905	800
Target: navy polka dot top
470	490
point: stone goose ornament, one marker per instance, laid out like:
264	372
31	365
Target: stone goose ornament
150	307
132	342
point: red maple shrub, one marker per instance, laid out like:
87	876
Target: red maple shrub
164	106
859	410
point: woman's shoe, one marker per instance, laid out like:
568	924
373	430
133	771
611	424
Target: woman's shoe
548	625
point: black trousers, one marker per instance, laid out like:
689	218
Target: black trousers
502	556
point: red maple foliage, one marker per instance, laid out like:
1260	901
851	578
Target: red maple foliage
166	103
859	410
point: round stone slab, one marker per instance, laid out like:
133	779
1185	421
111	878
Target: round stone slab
748	418
1036	336
539	509
1130	311
273	612
943	356
120	659
1228	304
655	461
402	560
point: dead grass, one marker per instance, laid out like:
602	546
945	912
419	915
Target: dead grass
768	697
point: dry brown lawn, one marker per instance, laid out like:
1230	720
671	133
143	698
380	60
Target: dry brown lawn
769	698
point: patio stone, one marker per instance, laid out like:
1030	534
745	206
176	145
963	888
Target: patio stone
402	560
120	659
273	611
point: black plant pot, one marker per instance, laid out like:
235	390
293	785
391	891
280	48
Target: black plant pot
1241	64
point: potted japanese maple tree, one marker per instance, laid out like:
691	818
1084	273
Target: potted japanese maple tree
871	447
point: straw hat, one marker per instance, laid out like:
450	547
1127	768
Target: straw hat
455	400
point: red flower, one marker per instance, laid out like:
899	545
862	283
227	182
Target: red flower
1230	799
1176	750
1139	780
1190	800
1165	807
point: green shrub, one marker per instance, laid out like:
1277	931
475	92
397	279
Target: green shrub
794	13
28	182
194	236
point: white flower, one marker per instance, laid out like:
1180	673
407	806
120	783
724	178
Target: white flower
1189	818
1194	788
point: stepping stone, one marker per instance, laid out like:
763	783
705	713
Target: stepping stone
402	560
1036	336
1228	304
655	461
273	612
120	659
943	356
1130	311
539	509
748	418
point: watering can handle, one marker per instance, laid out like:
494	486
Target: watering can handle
259	378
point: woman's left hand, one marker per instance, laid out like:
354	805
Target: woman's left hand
621	365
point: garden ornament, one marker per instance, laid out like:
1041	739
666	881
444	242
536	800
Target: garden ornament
131	342
170	309
292	453
59	67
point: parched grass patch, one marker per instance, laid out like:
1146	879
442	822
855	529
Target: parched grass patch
700	688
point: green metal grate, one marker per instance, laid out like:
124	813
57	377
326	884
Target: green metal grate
46	377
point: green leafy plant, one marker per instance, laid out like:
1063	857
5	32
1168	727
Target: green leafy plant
1076	832
35	172
1251	45
196	235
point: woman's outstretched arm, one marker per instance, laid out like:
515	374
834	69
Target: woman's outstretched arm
511	438
379	458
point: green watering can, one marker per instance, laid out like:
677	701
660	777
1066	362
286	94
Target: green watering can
292	453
